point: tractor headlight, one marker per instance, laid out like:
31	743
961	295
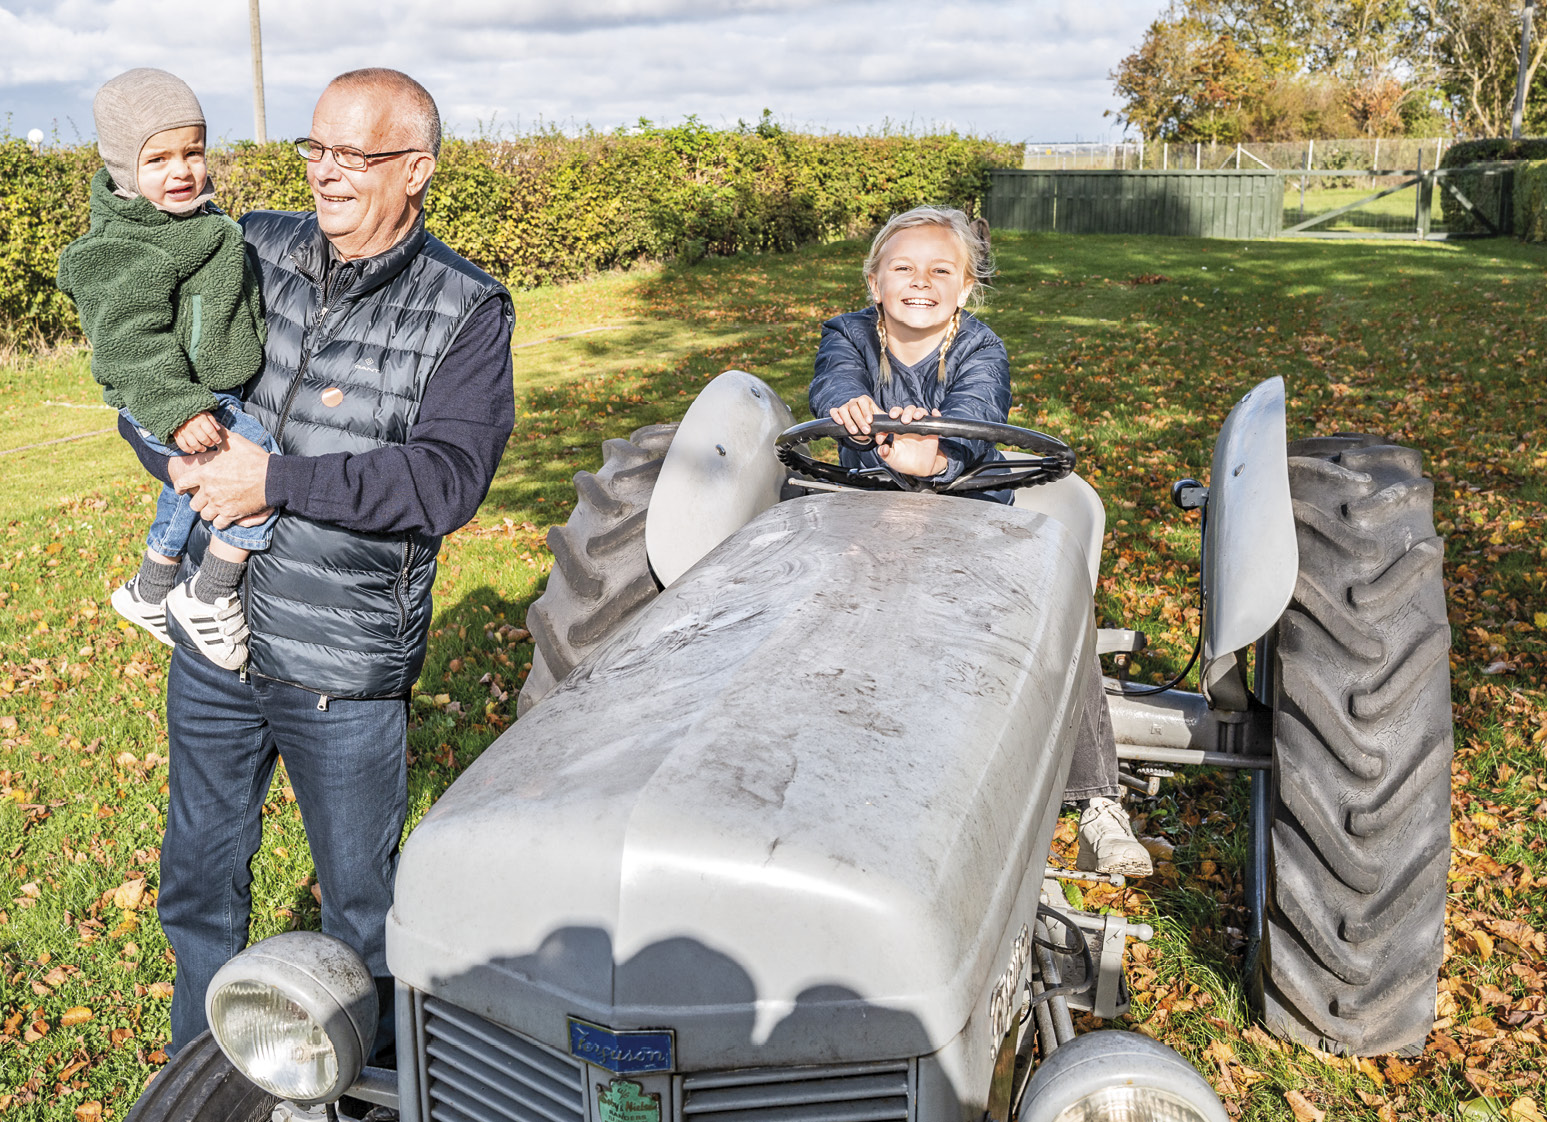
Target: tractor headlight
1113	1076
296	1014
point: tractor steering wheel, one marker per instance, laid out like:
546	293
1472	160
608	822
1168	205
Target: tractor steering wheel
1052	459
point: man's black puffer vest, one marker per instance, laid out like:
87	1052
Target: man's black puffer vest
339	611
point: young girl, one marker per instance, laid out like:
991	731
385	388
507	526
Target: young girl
172	310
917	352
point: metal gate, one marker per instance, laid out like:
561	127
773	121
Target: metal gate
1474	201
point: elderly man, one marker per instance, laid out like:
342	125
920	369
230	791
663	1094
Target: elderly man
387	387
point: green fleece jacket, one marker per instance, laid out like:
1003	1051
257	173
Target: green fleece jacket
171	307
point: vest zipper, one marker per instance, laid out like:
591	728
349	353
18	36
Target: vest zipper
332	696
300	370
400	589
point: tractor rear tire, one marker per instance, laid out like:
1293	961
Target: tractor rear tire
600	574
200	1085
1362	743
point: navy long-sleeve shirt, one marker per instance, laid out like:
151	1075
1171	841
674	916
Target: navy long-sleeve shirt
434	482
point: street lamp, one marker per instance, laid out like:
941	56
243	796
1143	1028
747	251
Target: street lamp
35	138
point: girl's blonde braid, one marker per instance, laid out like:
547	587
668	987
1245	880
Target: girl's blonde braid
886	363
945	344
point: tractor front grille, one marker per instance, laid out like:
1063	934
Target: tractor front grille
479	1072
852	1093
475	1071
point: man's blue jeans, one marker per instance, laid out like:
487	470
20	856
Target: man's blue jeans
175	515
348	767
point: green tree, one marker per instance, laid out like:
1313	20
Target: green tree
1271	69
1186	81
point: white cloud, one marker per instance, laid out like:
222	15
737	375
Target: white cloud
1011	68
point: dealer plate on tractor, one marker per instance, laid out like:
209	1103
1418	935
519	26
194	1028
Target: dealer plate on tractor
629	1052
623	1100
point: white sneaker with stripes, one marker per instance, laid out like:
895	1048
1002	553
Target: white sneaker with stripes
218	630
152	617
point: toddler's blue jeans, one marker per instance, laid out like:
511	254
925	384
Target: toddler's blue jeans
175	516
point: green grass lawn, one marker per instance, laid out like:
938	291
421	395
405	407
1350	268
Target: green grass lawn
1131	349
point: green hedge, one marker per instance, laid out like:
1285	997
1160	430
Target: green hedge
43	207
1492	149
1531	201
1492	194
544	208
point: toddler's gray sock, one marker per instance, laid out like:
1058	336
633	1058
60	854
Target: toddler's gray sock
217	578
155	580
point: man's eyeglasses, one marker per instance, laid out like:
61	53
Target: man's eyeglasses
345	156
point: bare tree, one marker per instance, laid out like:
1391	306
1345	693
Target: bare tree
1477	42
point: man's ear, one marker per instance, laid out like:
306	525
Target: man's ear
419	172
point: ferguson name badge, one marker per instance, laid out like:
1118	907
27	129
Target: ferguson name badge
631	1052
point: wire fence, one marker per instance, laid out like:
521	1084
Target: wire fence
1360	153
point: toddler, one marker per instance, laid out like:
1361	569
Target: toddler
917	352
170	303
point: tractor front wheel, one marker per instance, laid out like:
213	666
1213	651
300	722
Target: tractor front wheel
600	574
1360	837
200	1085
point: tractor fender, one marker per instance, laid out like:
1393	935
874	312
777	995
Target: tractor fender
719	474
1250	559
1074	502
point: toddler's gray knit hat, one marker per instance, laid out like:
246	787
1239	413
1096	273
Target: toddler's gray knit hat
132	108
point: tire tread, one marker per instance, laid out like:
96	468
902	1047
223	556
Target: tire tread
200	1085
601	574
1362	744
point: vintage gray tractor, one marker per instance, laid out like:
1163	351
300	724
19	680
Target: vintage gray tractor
771	838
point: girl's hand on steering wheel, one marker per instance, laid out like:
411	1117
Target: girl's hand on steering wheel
913	455
907	414
854	415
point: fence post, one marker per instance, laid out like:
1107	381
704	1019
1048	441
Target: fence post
1165	156
1141	151
1375	162
1197	155
1238	157
1425	198
1306	174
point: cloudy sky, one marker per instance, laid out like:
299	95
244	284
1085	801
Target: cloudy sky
1015	69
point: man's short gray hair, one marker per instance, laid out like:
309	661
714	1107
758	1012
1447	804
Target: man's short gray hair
421	124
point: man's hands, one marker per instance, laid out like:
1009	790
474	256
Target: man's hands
227	486
905	454
199	433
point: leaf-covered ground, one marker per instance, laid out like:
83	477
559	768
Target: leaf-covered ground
1132	349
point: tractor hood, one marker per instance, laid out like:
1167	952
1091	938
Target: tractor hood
788	810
